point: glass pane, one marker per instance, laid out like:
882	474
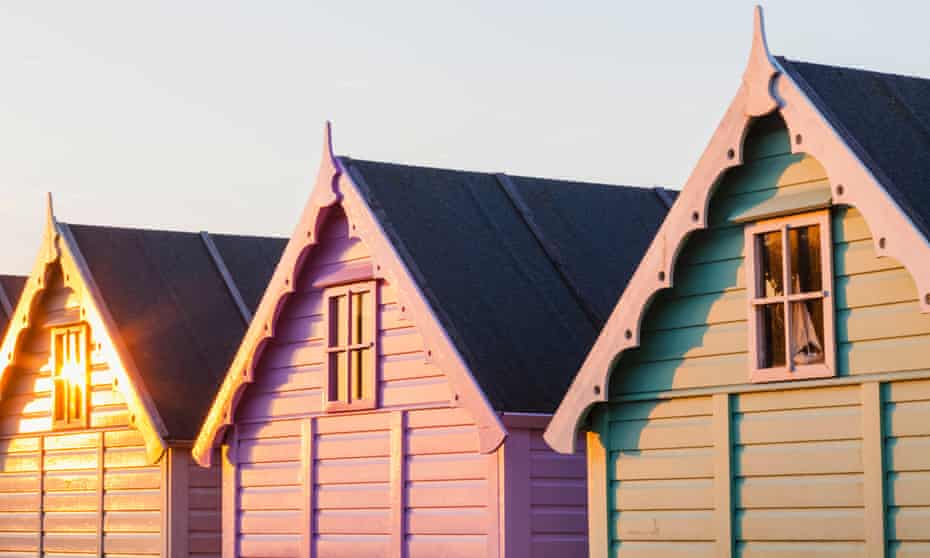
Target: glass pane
338	328
59	355
772	338
75	400
807	332
339	376
358	317
60	397
805	259
769	253
361	362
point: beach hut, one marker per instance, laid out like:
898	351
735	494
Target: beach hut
110	361
390	395
762	388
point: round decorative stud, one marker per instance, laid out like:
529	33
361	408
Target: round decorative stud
798	139
881	243
927	298
661	276
731	153
840	189
695	216
597	390
628	334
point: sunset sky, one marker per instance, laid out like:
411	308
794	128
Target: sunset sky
209	114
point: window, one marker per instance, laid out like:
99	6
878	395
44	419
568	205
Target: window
70	367
790	273
350	346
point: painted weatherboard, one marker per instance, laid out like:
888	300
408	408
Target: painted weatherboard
90	491
406	479
692	459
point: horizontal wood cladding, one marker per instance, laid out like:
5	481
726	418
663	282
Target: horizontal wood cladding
72	492
696	334
660	475
906	411
798	472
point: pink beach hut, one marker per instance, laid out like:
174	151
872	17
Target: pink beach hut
110	361
421	327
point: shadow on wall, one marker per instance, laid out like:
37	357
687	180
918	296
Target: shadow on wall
693	335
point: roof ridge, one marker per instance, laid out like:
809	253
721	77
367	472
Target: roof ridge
226	276
549	249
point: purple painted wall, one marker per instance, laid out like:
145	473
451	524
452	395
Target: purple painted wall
403	480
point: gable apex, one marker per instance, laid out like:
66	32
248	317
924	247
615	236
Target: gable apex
812	130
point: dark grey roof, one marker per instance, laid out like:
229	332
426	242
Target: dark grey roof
885	119
12	286
522	272
174	312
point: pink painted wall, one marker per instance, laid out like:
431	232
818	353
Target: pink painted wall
403	480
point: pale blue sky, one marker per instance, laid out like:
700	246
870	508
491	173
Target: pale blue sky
208	114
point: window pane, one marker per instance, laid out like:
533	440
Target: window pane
769	254
807	332
338	328
61	396
77	411
359	300
805	259
361	365
339	376
772	339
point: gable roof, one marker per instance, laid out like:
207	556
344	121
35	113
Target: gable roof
173	310
864	128
522	272
884	119
10	288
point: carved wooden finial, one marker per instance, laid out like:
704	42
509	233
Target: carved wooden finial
327	192
760	71
49	208
51	229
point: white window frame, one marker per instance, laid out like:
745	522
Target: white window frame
790	371
368	376
62	387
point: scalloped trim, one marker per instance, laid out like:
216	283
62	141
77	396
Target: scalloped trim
334	186
764	86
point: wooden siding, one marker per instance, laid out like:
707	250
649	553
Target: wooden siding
832	467
79	492
312	484
405	480
545	498
203	504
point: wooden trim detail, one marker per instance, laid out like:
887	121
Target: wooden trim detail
598	484
307	480
367	377
230	495
790	371
495	530
349	273
723	478
517	494
398	485
764	88
226	276
101	472
873	470
333	185
59	247
178	501
41	458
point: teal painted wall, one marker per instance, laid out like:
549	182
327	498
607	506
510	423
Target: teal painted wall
799	454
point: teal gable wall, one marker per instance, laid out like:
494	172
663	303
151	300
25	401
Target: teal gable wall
700	462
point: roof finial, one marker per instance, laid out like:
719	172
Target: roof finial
49	208
326	191
51	230
760	71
